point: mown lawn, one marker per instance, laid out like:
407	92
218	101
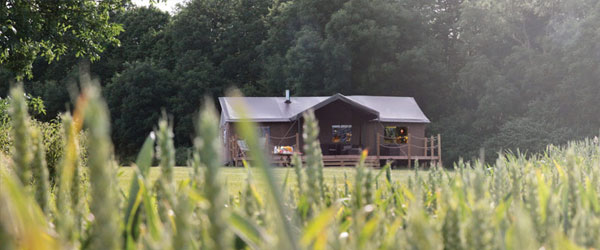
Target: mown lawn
235	177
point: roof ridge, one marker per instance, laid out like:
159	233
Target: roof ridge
271	109
321	96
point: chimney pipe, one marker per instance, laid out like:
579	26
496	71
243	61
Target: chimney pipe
287	96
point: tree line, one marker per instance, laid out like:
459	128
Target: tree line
502	75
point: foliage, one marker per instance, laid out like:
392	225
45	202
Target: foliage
182	155
135	98
483	71
49	134
51	142
518	71
547	200
35	106
29	29
142	29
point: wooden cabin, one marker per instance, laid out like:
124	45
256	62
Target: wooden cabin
390	128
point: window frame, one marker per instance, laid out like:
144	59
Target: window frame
400	138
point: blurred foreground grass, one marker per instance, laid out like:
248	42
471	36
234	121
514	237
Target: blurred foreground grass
235	177
542	201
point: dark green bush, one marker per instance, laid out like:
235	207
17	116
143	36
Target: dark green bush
182	154
52	133
53	141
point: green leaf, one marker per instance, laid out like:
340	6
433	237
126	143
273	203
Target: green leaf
318	226
152	220
543	195
285	180
251	233
247	130
141	169
132	221
144	158
368	230
20	212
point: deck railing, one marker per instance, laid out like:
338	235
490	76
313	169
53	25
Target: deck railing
415	148
431	148
278	142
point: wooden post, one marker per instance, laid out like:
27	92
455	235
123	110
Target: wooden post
408	141
439	144
267	140
378	150
297	142
425	148
230	149
234	152
431	150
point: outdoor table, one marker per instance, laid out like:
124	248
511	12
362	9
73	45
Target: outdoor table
284	158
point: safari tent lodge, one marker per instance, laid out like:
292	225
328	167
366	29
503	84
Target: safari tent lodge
390	128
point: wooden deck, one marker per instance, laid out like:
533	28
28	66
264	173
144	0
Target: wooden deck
373	161
347	161
410	152
352	160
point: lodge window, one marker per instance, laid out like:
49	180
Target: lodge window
395	135
341	133
263	131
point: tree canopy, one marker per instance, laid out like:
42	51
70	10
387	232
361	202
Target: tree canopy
51	29
502	74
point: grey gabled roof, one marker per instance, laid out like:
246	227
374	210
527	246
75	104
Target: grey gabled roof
274	109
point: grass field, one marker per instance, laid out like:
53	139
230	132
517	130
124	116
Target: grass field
543	201
235	176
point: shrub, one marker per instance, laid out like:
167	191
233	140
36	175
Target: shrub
51	132
182	154
52	139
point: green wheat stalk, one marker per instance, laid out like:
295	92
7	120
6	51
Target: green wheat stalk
104	204
40	172
209	150
21	155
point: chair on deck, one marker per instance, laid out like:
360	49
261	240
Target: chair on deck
239	150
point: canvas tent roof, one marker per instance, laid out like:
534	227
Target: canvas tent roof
274	109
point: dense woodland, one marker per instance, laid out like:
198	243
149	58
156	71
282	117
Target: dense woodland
502	75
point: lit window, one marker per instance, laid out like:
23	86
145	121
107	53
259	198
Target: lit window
341	133
395	134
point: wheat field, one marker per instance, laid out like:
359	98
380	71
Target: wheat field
235	177
544	201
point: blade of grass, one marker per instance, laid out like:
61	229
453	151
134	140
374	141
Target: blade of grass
251	233
142	167
247	130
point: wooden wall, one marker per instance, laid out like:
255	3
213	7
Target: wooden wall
340	113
